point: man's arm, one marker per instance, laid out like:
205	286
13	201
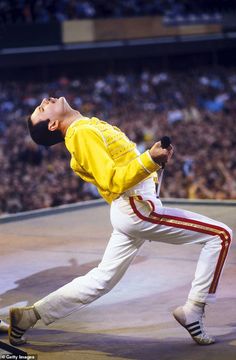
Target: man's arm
92	155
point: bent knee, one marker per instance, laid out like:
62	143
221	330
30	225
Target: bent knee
229	233
223	230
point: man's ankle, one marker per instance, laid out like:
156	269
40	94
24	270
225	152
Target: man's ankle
38	317
194	306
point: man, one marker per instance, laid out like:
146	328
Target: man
102	155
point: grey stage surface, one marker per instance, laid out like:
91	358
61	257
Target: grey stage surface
134	320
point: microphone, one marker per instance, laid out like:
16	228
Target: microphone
165	142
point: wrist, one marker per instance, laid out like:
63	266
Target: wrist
155	160
157	163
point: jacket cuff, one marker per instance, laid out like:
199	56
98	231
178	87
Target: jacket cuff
148	163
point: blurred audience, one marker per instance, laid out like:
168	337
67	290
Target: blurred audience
196	108
42	11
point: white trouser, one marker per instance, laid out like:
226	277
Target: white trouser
138	216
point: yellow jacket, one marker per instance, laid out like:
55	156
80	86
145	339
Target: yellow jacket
103	155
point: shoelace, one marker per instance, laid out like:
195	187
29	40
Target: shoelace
203	337
203	334
197	331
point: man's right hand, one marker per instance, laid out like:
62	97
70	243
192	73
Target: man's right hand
159	155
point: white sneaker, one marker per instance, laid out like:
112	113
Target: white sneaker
21	319
195	328
3	327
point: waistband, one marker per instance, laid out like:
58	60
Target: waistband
145	188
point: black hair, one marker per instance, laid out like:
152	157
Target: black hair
41	135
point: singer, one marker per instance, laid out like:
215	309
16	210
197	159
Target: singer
103	155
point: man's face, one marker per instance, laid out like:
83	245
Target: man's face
50	108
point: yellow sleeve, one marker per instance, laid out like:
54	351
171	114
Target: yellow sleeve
91	153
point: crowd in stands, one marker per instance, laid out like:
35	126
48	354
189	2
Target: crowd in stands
197	109
42	11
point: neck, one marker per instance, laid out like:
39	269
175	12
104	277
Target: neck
69	118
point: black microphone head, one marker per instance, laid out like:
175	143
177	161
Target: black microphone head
165	142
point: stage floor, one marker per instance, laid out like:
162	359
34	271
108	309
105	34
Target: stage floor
133	321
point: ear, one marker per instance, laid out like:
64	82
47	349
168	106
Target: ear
53	125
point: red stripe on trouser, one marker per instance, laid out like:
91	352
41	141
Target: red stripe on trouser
211	230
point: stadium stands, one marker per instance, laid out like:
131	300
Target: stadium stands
42	11
196	108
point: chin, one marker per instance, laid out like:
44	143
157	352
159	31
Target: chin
64	104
